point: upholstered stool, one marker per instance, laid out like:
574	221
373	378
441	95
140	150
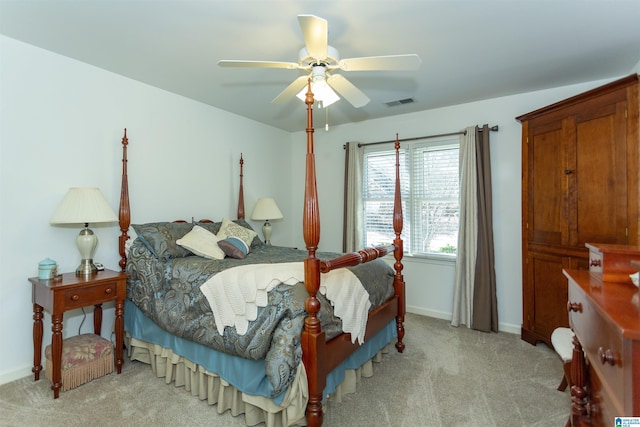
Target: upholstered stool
84	358
562	341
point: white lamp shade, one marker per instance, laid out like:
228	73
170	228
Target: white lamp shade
83	205
266	209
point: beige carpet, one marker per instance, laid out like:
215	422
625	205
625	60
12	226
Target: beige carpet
446	377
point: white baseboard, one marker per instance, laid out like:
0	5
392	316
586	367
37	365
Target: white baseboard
7	377
502	327
509	328
429	313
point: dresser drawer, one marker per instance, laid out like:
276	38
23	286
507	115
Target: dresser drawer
595	262
87	295
602	344
612	263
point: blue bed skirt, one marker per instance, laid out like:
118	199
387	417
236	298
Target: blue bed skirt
246	375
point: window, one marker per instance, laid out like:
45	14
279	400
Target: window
430	196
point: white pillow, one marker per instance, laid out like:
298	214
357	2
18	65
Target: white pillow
202	242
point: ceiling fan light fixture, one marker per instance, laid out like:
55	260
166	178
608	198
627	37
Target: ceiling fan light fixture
322	92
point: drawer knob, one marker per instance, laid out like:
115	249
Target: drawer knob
108	291
595	263
606	356
574	306
75	297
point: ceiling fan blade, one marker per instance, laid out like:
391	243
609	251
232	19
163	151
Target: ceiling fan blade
315	32
345	88
257	64
291	90
381	63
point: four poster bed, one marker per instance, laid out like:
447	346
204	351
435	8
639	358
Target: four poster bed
275	354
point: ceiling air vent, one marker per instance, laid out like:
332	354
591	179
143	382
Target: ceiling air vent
399	102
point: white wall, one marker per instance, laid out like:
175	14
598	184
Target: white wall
61	123
430	283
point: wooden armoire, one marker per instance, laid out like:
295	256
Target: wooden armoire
580	185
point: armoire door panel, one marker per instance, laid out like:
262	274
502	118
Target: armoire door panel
600	181
549	293
547	188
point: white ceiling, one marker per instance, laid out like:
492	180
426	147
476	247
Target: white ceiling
470	49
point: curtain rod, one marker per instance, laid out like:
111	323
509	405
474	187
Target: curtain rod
462	132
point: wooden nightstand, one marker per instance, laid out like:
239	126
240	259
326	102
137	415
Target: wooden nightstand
67	293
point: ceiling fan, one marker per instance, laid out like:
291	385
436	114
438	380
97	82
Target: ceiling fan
321	60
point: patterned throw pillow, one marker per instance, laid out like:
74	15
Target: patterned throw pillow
160	238
234	247
231	229
202	243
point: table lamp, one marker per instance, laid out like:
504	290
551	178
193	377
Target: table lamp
83	206
265	210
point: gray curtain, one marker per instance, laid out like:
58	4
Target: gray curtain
462	312
474	299
353	220
485	302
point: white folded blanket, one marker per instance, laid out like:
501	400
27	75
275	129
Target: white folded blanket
236	293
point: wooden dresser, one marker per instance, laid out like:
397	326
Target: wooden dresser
605	371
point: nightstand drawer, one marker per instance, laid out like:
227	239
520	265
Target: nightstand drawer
87	295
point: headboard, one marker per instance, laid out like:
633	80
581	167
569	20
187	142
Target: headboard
124	212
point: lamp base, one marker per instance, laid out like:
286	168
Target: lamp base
86	268
266	231
87	243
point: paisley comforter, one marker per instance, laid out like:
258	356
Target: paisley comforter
168	292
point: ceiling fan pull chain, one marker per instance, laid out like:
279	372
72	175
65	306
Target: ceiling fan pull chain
326	119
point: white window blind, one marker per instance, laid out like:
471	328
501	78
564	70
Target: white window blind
430	196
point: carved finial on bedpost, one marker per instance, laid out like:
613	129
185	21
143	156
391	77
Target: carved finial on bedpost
312	336
124	214
241	191
398	281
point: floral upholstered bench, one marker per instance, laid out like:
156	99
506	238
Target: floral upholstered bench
84	358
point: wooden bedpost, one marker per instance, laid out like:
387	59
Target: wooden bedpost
124	214
398	280
312	335
241	192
